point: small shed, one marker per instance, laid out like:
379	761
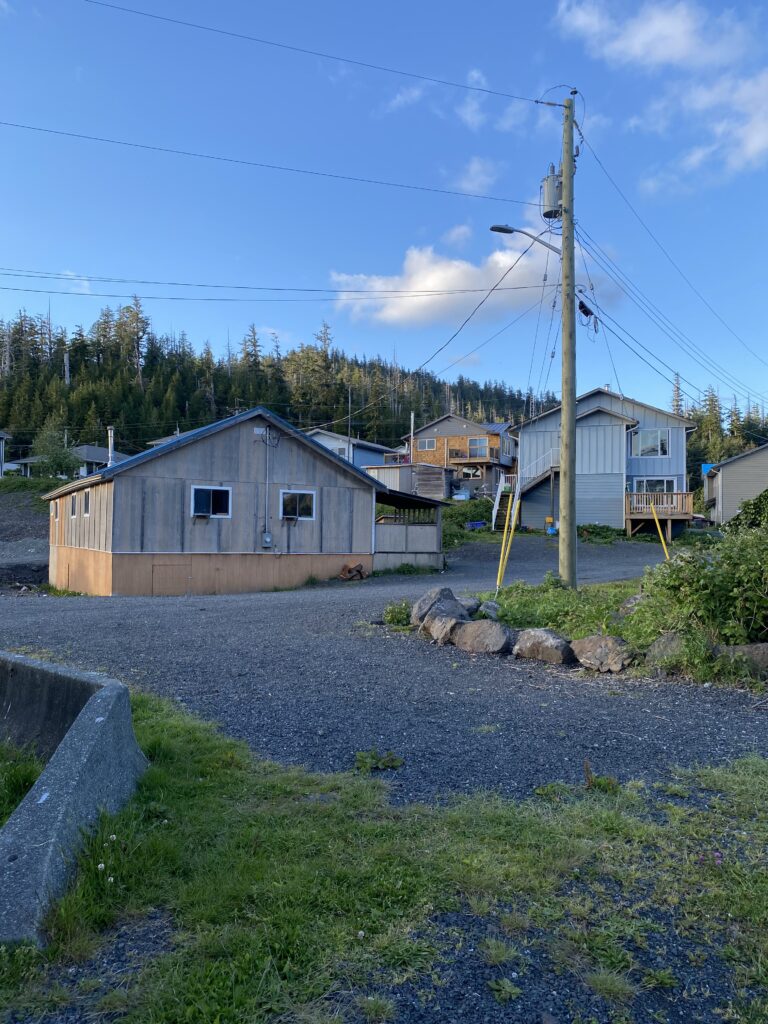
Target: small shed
728	484
247	503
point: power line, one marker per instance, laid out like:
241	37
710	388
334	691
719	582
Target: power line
319	53
231	298
660	319
597	320
440	348
487	341
260	164
666	253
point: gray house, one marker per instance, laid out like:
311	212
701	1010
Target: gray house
629	456
360	453
733	481
247	503
92	458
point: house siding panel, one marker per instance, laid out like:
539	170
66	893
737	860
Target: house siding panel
741	480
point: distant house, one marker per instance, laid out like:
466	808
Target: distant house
3	438
355	450
479	453
247	503
92	458
629	456
728	484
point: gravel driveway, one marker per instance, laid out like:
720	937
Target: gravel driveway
304	678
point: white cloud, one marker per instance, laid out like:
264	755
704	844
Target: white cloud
470	110
425	270
405	97
81	287
480	174
457	236
660	34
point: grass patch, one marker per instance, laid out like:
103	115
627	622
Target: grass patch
367	761
289	890
19	769
30	485
397	613
575	613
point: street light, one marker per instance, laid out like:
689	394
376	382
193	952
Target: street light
505	229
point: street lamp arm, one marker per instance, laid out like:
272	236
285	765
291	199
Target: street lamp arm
504	229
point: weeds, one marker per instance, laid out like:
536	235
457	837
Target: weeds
504	991
19	769
367	761
397	613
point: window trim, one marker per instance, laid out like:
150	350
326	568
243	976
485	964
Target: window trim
640	430
73	506
485	440
666	479
426	444
209	487
299	490
87	501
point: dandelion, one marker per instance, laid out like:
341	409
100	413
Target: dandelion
110	879
99	867
361	935
112	839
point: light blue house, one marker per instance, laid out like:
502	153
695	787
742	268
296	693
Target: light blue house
360	453
630	456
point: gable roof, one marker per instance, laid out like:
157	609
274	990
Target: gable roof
611	394
734	458
496	428
606	412
357	442
192	436
488	428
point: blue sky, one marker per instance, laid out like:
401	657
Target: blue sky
673	103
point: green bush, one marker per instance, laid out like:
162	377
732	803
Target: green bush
398	613
457	515
719	592
752	516
551	605
596	533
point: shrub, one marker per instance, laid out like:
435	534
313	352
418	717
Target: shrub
596	533
718	592
551	605
753	515
457	515
398	613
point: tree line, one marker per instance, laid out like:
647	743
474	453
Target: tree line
55	383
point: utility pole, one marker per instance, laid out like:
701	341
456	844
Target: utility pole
567	546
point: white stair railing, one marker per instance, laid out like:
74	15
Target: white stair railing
543	464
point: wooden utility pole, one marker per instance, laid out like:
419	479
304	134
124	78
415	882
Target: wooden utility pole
567	545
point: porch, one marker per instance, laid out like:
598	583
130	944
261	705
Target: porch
670	507
408	529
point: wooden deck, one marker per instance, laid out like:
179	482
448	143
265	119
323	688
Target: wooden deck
670	507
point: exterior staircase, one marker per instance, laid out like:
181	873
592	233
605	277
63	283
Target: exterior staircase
511	488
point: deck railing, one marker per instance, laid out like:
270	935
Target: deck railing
483	455
667	503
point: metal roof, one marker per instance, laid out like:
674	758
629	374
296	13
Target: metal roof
357	442
191	436
611	394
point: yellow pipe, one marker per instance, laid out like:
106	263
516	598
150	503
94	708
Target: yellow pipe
658	527
506	542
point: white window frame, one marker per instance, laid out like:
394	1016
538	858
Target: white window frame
644	479
55	510
299	490
485	441
506	446
87	502
426	444
73	506
209	487
647	430
341	452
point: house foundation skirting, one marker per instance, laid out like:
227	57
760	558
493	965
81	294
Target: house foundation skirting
104	573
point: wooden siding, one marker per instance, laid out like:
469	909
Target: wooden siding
92	532
177	575
741	480
80	569
153	500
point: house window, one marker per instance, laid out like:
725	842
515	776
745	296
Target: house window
426	444
212	502
655	485
73	506
86	503
650	443
55	511
478	447
471	473
506	445
341	452
297	504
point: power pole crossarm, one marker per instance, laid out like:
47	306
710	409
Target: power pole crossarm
567	559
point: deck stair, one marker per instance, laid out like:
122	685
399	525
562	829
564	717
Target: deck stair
512	487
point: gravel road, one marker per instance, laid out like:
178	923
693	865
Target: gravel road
305	678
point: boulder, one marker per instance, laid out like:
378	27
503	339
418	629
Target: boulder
437	601
440	627
630	605
602	653
471	604
490	609
667	650
544	645
755	656
482	637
